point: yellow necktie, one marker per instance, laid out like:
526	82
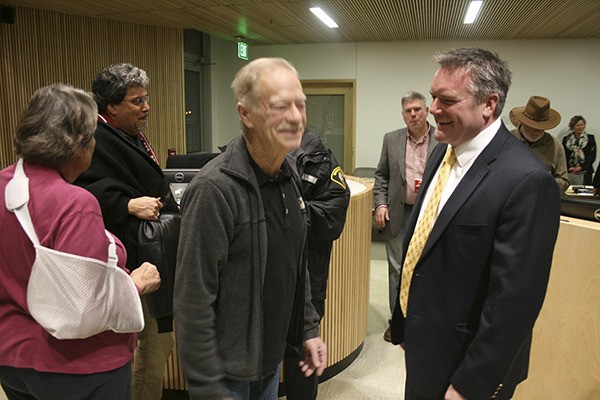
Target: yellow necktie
419	238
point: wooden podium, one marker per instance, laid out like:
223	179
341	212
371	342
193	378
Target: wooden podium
565	353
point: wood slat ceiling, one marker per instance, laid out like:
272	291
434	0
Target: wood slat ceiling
290	21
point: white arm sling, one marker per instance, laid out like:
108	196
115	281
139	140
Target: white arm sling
71	296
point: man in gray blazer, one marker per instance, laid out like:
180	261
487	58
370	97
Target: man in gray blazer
397	179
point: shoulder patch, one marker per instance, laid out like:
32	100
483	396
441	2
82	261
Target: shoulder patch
337	176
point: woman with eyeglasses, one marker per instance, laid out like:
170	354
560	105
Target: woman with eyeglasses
129	184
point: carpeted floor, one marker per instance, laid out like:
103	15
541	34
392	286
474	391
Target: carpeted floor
378	373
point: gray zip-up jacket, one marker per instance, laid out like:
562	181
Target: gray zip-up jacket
220	273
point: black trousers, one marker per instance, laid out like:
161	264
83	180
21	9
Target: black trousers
29	384
298	386
410	395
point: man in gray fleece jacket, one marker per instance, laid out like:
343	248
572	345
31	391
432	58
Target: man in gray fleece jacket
241	287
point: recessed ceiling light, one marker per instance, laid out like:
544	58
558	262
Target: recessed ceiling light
324	17
473	11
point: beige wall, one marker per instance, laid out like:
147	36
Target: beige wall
566	71
43	47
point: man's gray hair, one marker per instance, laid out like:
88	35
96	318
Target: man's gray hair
489	74
59	122
111	84
244	84
412	96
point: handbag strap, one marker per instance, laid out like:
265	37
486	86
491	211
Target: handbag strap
16	197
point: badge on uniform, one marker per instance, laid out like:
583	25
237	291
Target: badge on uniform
309	178
338	177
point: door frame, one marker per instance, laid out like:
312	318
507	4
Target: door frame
346	88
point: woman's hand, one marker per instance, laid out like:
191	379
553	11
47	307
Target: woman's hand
146	278
147	208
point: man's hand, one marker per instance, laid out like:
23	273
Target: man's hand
452	394
146	277
314	357
381	216
146	208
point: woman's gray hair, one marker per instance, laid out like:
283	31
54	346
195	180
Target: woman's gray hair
59	122
111	84
244	84
489	74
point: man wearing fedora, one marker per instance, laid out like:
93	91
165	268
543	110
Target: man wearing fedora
534	119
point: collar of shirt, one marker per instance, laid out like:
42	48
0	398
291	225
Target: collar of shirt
422	139
263	178
104	117
466	154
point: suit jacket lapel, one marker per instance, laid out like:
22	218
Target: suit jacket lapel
465	188
400	143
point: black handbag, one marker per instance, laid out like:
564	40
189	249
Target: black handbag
157	244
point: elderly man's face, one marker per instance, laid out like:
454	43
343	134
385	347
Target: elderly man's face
531	134
130	117
279	118
458	116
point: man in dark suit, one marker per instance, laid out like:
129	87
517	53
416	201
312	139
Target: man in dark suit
480	280
399	173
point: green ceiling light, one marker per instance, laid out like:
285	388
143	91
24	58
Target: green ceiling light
242	25
322	15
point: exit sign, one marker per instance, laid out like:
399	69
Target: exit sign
242	50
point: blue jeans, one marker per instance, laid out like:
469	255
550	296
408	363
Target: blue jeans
265	388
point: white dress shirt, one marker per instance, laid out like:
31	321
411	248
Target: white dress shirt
466	154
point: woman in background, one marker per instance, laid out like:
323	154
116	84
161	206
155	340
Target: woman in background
55	139
580	149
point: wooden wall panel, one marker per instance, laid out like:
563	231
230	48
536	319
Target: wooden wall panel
43	47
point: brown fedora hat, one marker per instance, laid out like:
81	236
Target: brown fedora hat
537	114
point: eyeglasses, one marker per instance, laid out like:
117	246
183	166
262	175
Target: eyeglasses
139	101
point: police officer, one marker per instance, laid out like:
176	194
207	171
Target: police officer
326	196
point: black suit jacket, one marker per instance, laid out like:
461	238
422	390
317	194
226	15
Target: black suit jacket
480	282
119	172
